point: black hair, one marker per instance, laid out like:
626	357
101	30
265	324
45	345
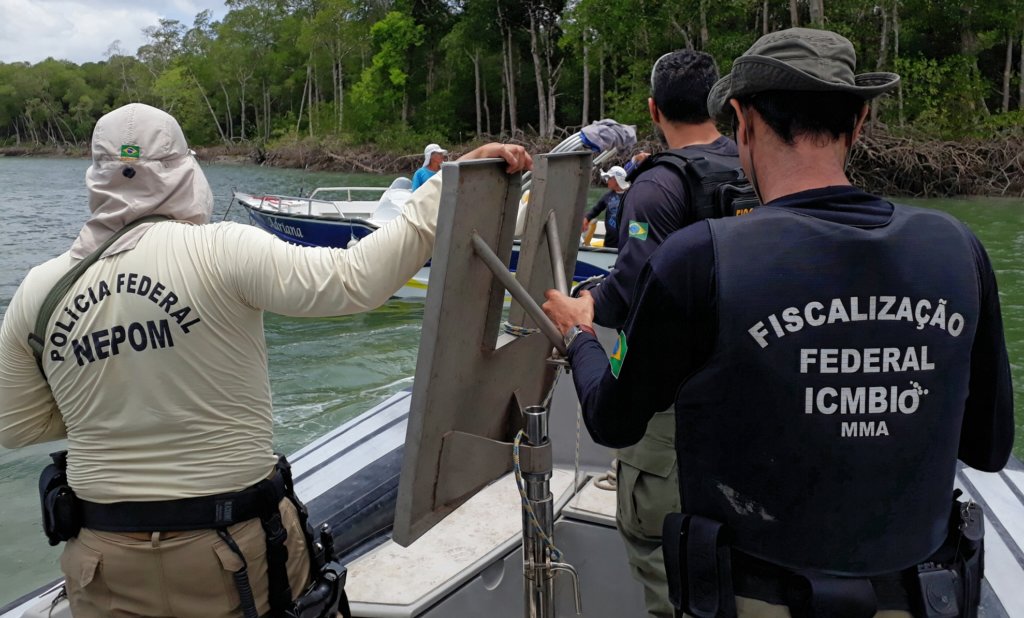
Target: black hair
680	84
822	116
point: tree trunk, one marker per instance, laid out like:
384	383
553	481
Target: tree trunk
1020	94
600	86
475	58
314	95
764	18
227	113
513	125
969	44
241	102
216	122
817	13
302	103
1007	72
704	25
794	14
553	76
883	51
542	107
501	125
341	95
896	55
585	120
487	108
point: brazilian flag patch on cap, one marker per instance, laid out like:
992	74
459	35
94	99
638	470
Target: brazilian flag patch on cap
638	229
618	354
129	151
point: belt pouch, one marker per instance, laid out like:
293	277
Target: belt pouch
826	596
61	510
708	570
673	530
698	563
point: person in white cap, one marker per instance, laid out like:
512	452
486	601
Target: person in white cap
153	365
615	177
433	157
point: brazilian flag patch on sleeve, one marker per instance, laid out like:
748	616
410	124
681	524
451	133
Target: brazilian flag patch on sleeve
638	229
618	354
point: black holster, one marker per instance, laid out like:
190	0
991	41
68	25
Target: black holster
949	583
698	562
62	512
704	573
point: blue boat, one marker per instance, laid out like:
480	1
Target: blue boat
319	221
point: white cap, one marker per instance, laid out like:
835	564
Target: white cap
431	149
618	174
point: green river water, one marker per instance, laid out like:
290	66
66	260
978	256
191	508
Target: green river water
322	371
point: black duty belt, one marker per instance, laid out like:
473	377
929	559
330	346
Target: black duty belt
757	579
201	513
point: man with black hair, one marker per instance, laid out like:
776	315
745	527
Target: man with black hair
662	199
830	357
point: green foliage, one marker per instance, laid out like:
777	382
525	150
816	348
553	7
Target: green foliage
401	72
943	97
382	88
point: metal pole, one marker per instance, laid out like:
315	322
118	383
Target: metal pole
518	292
555	250
538	589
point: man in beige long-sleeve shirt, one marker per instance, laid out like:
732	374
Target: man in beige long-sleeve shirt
156	365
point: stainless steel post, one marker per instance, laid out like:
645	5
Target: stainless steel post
538	589
555	250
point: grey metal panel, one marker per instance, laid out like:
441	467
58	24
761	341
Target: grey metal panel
468	379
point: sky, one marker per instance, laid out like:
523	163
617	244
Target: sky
84	30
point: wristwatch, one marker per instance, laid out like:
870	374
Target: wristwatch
574	331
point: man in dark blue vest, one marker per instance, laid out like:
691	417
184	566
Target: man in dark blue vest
662	199
830	357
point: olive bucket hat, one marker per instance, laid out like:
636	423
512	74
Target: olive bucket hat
797	59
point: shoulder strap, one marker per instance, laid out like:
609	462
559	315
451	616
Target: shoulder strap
715	189
37	338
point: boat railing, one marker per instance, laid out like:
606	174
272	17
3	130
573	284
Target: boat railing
348	191
289	204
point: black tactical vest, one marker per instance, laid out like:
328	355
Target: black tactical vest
824	429
715	183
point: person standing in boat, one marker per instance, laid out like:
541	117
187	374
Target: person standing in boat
153	365
830	356
433	157
615	178
664	197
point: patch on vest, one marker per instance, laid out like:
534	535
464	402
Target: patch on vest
618	354
638	229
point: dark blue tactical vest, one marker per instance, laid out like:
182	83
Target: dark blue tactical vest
823	430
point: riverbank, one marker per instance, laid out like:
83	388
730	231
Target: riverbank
881	163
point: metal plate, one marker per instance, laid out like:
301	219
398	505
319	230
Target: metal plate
471	380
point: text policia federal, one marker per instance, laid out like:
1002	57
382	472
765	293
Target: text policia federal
107	342
862	399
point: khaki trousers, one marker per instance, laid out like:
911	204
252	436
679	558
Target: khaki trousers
175	574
